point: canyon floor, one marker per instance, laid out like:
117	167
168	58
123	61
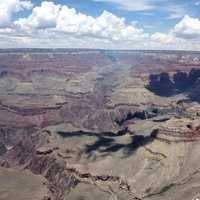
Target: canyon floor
97	124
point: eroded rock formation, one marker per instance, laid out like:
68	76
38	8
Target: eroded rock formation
85	126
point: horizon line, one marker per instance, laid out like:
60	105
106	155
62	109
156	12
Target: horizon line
93	49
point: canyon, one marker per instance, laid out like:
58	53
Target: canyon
107	124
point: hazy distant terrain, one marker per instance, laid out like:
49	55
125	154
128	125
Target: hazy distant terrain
101	124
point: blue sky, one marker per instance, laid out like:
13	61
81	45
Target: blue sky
145	23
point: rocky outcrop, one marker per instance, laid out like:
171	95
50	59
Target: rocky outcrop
164	85
161	84
3	148
144	114
181	80
40	161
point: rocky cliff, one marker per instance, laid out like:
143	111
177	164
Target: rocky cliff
102	124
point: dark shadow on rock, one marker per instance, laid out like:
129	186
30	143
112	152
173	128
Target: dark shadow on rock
102	142
161	84
80	133
107	144
194	75
3	149
181	82
145	114
194	94
137	142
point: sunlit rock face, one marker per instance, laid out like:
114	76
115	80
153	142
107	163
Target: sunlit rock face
100	124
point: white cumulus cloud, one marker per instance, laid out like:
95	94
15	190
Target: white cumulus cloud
8	7
188	28
163	38
55	25
44	16
67	20
184	35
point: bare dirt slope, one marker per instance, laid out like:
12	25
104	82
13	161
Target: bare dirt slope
19	185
